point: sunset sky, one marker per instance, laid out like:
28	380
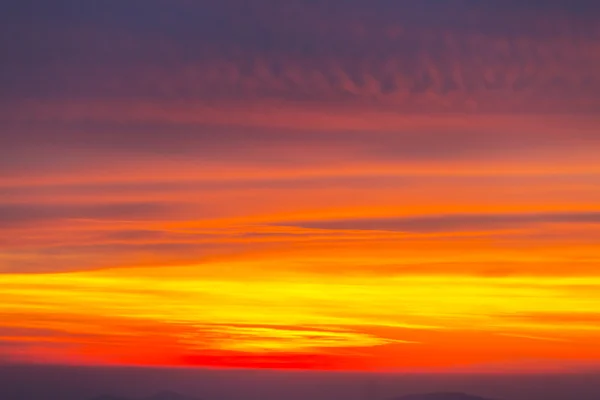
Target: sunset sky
369	185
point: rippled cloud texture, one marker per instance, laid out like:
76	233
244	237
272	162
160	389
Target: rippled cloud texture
349	185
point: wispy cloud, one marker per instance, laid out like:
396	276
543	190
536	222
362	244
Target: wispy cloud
457	222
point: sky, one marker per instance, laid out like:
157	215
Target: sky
317	185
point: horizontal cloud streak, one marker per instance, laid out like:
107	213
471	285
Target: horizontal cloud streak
337	141
11	214
440	223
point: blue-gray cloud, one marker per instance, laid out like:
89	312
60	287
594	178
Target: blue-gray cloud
15	214
444	55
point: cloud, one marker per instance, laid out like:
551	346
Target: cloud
15	214
573	320
455	56
73	256
274	339
445	223
247	142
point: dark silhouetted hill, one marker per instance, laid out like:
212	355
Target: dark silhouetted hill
441	396
108	397
164	395
168	395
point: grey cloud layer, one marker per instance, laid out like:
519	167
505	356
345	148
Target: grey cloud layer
453	55
54	147
15	214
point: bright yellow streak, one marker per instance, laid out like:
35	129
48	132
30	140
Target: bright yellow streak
266	315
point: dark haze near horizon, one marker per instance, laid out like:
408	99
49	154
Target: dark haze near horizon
74	383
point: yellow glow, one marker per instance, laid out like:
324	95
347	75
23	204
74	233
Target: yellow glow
297	313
